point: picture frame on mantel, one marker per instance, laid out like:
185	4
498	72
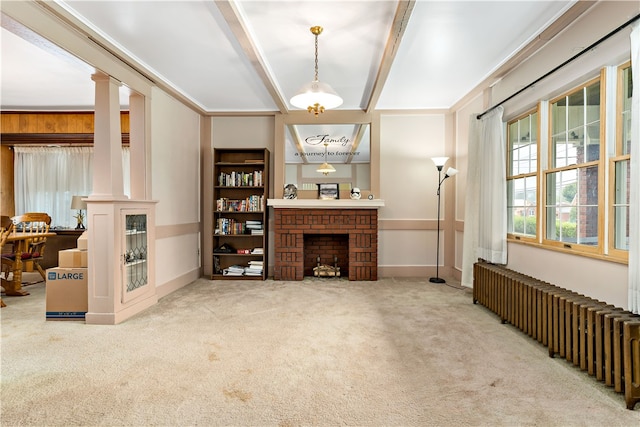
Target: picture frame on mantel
328	191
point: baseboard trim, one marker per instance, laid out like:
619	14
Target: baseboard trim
173	285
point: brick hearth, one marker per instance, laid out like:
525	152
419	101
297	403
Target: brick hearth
361	225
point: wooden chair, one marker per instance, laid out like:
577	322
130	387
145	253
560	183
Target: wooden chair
6	227
34	223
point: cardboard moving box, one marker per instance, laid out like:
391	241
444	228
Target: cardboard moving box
82	241
66	294
72	258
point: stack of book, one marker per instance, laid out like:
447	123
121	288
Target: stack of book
234	270
257	251
254	268
254	227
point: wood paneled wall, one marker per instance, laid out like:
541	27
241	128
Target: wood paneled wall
80	122
6	188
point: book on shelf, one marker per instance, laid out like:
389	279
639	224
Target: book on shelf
253	225
257	251
226	226
253	203
256	232
234	270
253	270
240	179
254	267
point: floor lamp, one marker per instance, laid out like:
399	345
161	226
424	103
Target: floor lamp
440	162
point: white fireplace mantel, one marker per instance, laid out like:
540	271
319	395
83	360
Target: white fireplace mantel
325	204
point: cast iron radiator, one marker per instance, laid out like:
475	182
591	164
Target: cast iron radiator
601	339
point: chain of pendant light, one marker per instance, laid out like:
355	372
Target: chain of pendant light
316	32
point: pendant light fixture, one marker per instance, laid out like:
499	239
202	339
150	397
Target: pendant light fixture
316	96
325	168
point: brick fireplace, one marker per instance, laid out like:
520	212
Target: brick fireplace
356	228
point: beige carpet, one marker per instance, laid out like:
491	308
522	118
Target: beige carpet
314	353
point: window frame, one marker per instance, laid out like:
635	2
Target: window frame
511	236
618	156
600	163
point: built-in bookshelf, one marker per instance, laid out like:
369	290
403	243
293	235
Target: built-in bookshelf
240	222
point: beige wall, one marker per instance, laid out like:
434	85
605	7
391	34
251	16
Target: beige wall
408	185
175	172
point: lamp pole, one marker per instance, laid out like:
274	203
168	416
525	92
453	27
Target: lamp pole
437	279
440	162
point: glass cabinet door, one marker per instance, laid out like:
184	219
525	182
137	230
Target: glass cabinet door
135	254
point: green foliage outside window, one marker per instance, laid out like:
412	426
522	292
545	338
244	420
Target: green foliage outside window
569	231
519	225
569	192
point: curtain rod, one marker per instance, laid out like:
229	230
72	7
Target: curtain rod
621	27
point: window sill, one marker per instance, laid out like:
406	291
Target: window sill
602	257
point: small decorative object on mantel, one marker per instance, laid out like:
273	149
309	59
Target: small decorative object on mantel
370	196
355	193
290	191
328	191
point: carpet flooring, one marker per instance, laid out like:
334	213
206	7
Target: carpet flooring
396	352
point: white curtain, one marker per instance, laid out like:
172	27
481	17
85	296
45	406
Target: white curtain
46	178
485	219
634	197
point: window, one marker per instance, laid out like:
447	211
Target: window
522	169
573	180
46	179
575	194
620	168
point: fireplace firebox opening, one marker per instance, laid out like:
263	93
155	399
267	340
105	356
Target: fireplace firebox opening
326	254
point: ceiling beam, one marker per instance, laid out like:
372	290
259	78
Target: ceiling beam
232	16
360	128
400	22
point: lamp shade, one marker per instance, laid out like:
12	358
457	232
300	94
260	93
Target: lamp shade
78	203
316	92
439	161
451	172
325	168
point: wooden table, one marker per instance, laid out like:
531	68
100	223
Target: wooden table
21	240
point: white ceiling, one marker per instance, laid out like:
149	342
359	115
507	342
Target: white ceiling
252	56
